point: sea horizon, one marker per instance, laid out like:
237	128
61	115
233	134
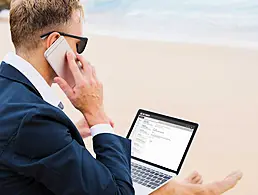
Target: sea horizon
228	22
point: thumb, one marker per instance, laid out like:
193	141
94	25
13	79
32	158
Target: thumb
64	86
228	183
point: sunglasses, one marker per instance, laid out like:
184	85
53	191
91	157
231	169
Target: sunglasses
80	47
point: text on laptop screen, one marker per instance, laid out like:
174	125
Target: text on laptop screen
160	140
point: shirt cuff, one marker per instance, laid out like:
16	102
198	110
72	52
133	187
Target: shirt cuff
101	128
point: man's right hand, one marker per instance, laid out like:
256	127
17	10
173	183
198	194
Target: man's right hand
215	188
87	94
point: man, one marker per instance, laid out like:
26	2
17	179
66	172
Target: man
41	150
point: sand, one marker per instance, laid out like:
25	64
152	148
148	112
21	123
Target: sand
214	86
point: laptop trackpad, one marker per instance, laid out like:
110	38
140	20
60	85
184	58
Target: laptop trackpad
141	190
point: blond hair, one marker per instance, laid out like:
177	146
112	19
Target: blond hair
31	18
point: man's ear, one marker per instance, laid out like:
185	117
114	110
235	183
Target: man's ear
52	38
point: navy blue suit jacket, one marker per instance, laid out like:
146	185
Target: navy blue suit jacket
42	152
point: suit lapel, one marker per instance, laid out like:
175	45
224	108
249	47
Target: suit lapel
9	72
12	73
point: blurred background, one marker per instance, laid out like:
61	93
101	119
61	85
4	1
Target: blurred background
195	59
231	22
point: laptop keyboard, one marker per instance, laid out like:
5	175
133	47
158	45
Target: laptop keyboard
148	177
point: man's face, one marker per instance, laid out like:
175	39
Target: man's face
75	28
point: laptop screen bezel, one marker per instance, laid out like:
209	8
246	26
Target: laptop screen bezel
195	125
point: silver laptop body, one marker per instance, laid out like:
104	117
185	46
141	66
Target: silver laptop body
159	146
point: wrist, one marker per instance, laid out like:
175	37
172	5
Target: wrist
96	118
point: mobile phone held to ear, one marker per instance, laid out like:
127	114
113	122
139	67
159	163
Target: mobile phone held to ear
56	57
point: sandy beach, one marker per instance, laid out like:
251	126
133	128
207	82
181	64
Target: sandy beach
214	86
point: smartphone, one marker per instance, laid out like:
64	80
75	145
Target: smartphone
56	57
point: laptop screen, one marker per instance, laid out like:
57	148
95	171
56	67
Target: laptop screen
161	140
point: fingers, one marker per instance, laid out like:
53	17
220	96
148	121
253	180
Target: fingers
87	68
74	67
228	183
194	175
191	177
94	74
194	178
197	180
82	60
87	94
235	174
200	181
64	86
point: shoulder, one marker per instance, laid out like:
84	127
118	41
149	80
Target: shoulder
30	125
41	133
15	92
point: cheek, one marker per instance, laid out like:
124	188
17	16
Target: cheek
72	45
74	48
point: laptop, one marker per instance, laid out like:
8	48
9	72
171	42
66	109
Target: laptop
159	146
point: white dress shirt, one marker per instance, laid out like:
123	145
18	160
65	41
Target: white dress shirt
44	89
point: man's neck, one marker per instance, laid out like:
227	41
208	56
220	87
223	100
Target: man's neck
41	65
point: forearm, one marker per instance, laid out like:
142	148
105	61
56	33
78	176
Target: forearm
115	153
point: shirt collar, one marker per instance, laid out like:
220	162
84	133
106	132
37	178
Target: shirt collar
34	77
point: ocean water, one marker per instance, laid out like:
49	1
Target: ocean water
226	22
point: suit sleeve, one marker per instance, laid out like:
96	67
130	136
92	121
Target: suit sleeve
45	150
